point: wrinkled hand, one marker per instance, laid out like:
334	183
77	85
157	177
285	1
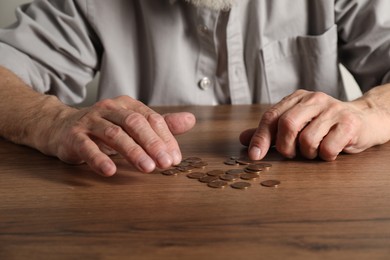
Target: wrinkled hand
319	125
123	125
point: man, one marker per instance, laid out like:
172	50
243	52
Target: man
176	52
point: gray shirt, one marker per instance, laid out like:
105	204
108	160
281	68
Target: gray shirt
167	52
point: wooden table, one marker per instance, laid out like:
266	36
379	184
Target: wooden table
321	210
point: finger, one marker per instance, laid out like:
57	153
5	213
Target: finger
179	123
246	136
339	137
116	138
267	129
312	135
146	127
152	135
89	152
160	127
291	123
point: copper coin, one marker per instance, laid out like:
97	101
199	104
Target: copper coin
217	184
200	164
229	177
185	168
249	176
255	167
234	171
251	171
170	172
243	162
230	162
207	179
215	172
183	164
196	175
240	185
270	183
266	166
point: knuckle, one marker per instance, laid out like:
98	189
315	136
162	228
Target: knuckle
154	146
300	92
155	119
133	153
134	119
288	122
106	104
319	96
113	132
270	116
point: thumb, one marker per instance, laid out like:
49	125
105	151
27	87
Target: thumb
179	123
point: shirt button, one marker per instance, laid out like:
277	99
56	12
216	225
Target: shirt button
203	29
204	83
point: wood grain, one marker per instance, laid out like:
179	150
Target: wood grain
321	210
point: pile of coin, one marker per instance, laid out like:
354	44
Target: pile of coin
237	178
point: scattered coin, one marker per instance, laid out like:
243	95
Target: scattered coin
229	177
255	167
185	168
217	184
241	185
207	178
234	171
266	166
270	183
249	176
183	164
200	164
196	175
215	172
170	172
230	162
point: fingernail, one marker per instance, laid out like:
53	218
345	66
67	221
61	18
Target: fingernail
147	165
164	160
107	169
176	157
255	153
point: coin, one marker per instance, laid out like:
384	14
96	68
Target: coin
207	179
250	171
229	177
185	168
249	176
230	162
196	175
240	185
170	172
270	183
217	184
183	164
215	172
266	166
234	171
255	167
200	164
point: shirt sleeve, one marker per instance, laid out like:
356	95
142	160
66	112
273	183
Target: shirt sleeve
364	46
52	48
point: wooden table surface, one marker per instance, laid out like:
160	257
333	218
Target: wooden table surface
321	210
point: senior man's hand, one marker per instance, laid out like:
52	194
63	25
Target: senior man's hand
124	125
319	125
